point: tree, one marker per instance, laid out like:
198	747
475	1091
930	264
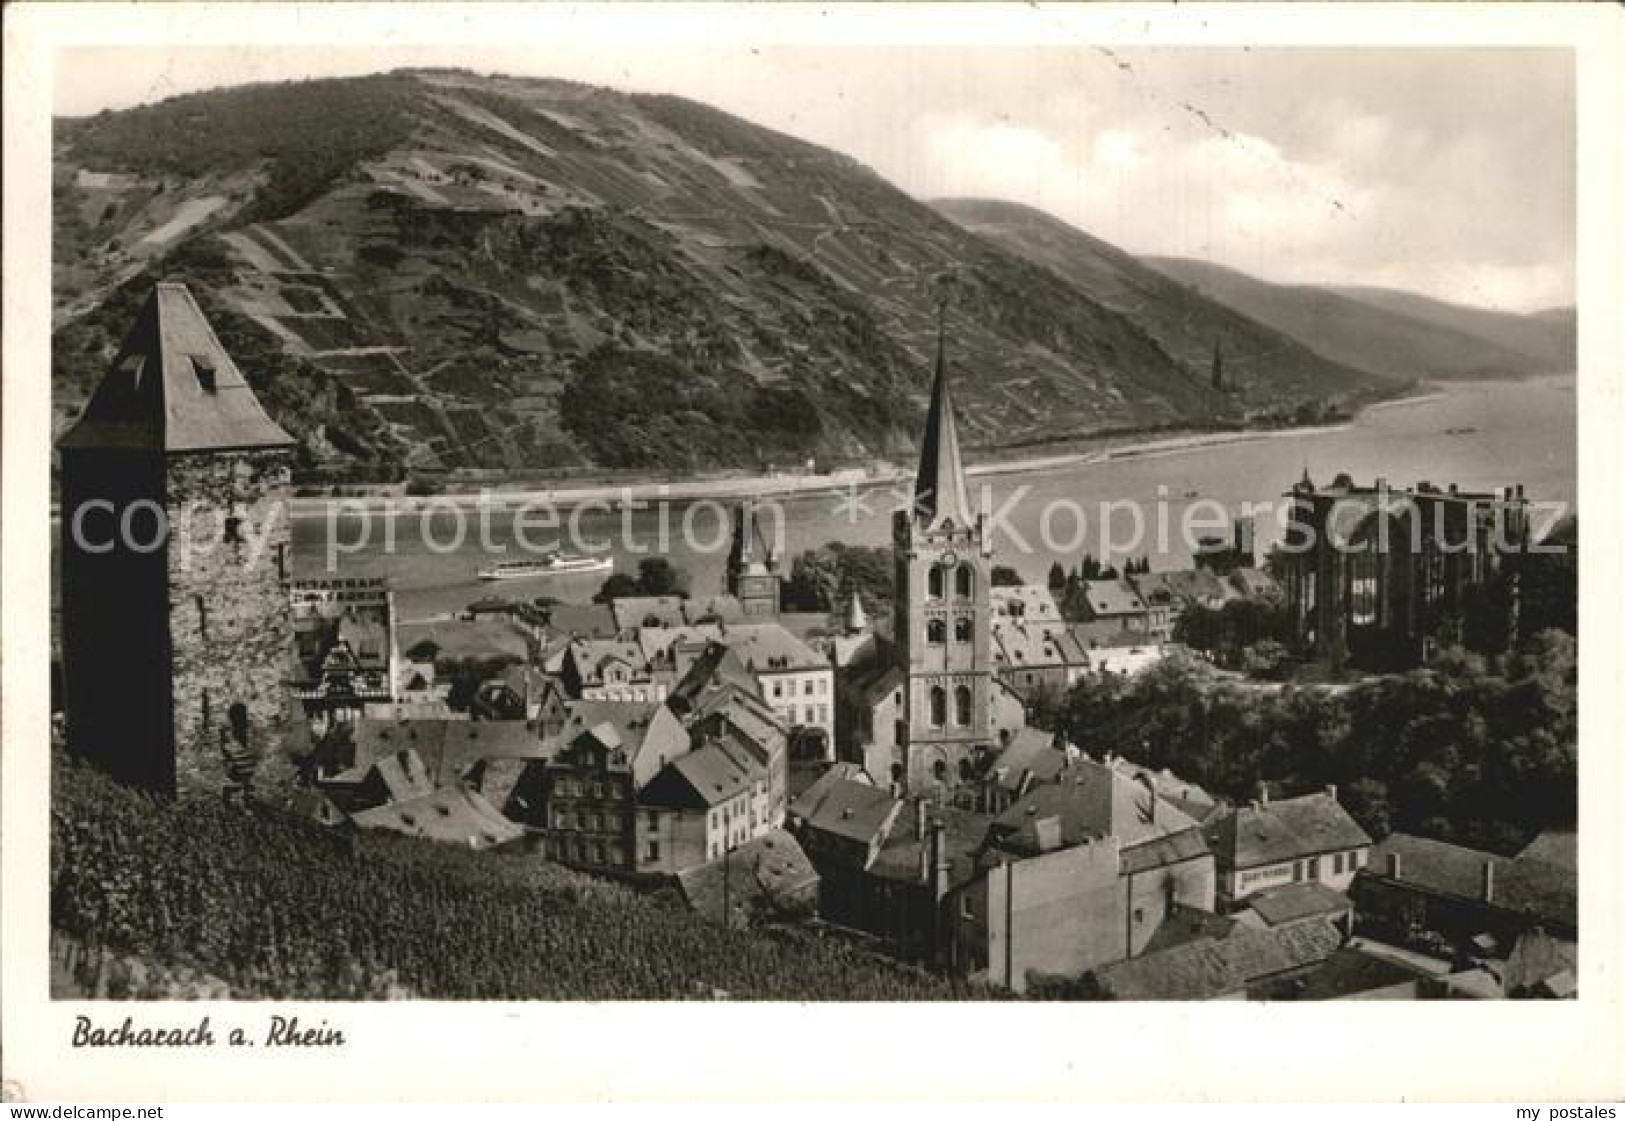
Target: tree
657	576
1366	800
1266	659
618	586
1057	577
821	577
1004	576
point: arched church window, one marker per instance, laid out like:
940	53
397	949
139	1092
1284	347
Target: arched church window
933	582
965	582
939	706
963	629
936	632
962	706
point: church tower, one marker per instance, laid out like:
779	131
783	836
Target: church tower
942	628
753	567
176	629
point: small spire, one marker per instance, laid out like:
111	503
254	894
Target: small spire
856	621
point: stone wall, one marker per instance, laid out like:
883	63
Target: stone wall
230	621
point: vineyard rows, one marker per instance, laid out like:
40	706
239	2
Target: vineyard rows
277	907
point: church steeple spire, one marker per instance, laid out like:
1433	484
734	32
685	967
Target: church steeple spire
939	487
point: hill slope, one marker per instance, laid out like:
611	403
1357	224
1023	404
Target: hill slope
1261	365
1546	337
430	270
1355	331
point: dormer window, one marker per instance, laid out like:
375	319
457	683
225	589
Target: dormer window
203	370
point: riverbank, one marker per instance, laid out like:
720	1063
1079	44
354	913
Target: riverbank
736	487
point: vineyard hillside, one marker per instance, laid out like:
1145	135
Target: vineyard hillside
275	907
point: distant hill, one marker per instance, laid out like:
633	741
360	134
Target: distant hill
1547	337
1399	334
430	270
1262	365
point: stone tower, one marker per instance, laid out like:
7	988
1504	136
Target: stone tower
943	621
176	627
753	567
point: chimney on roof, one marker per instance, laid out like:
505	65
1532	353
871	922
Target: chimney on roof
1487	886
1395	867
1263	793
1151	795
1331	791
941	862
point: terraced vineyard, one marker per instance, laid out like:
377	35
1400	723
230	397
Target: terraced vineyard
272	906
519	249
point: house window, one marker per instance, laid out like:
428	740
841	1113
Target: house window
778	688
962	706
1297	871
1314	867
936	632
1337	864
934	582
1139	914
807	688
962	629
939	706
964	585
653	851
654	820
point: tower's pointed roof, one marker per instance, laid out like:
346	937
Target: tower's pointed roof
750	550
939	487
173	388
857	621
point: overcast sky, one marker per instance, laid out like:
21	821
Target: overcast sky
1446	171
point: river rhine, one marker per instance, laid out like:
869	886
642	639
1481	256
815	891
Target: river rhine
1480	436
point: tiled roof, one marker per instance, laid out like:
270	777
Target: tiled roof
905	851
588	620
770	870
846	808
1112	597
770	648
1555	846
462	638
1546	892
708	776
1033	602
1160	852
1189	797
1022	645
1183	586
1100	633
172	387
1283	829
1089	800
1292	902
1254	582
453	814
1030	753
1214	967
446	747
632	612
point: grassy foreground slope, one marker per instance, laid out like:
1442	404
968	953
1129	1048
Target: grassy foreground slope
276	907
